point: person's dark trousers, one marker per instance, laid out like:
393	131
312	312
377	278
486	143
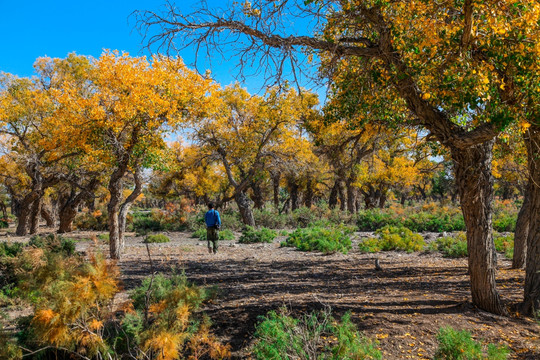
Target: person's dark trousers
212	234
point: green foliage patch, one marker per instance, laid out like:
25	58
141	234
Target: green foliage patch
393	238
251	235
451	246
318	335
459	345
325	240
157	238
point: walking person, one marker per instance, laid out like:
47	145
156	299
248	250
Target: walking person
213	223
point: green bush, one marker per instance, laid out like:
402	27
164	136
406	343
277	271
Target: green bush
10	249
280	336
157	238
54	243
459	345
143	223
3	224
393	238
504	244
428	217
251	235
451	246
325	240
504	222
103	237
225	234
270	219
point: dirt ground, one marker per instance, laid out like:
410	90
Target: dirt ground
403	306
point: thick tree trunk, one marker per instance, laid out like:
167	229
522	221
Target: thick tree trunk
351	197
258	199
126	205
275	185
245	208
342	196
522	231
333	199
35	216
308	198
475	185
67	216
47	215
25	213
292	184
531	294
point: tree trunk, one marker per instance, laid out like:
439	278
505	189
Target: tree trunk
531	293
126	205
522	231
293	192
245	208
24	214
67	216
333	199
35	216
308	198
258	200
351	197
342	196
275	185
115	190
475	185
48	216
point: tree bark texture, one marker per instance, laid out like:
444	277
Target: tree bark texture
25	213
308	198
47	215
531	293
333	199
245	208
115	191
293	192
258	199
475	185
275	185
522	231
351	197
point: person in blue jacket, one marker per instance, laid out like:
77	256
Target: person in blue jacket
213	223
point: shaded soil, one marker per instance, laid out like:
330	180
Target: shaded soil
403	306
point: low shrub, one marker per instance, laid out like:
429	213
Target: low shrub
157	238
504	222
10	249
451	246
270	218
3	224
103	237
459	345
317	335
393	238
504	244
251	235
325	240
54	243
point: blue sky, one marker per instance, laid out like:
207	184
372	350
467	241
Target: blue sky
55	28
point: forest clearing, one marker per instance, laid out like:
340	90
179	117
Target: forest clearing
365	173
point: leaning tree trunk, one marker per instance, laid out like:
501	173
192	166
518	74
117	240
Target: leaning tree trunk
522	231
342	196
67	216
475	185
113	207
258	199
126	205
25	213
35	215
531	294
245	208
47	214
